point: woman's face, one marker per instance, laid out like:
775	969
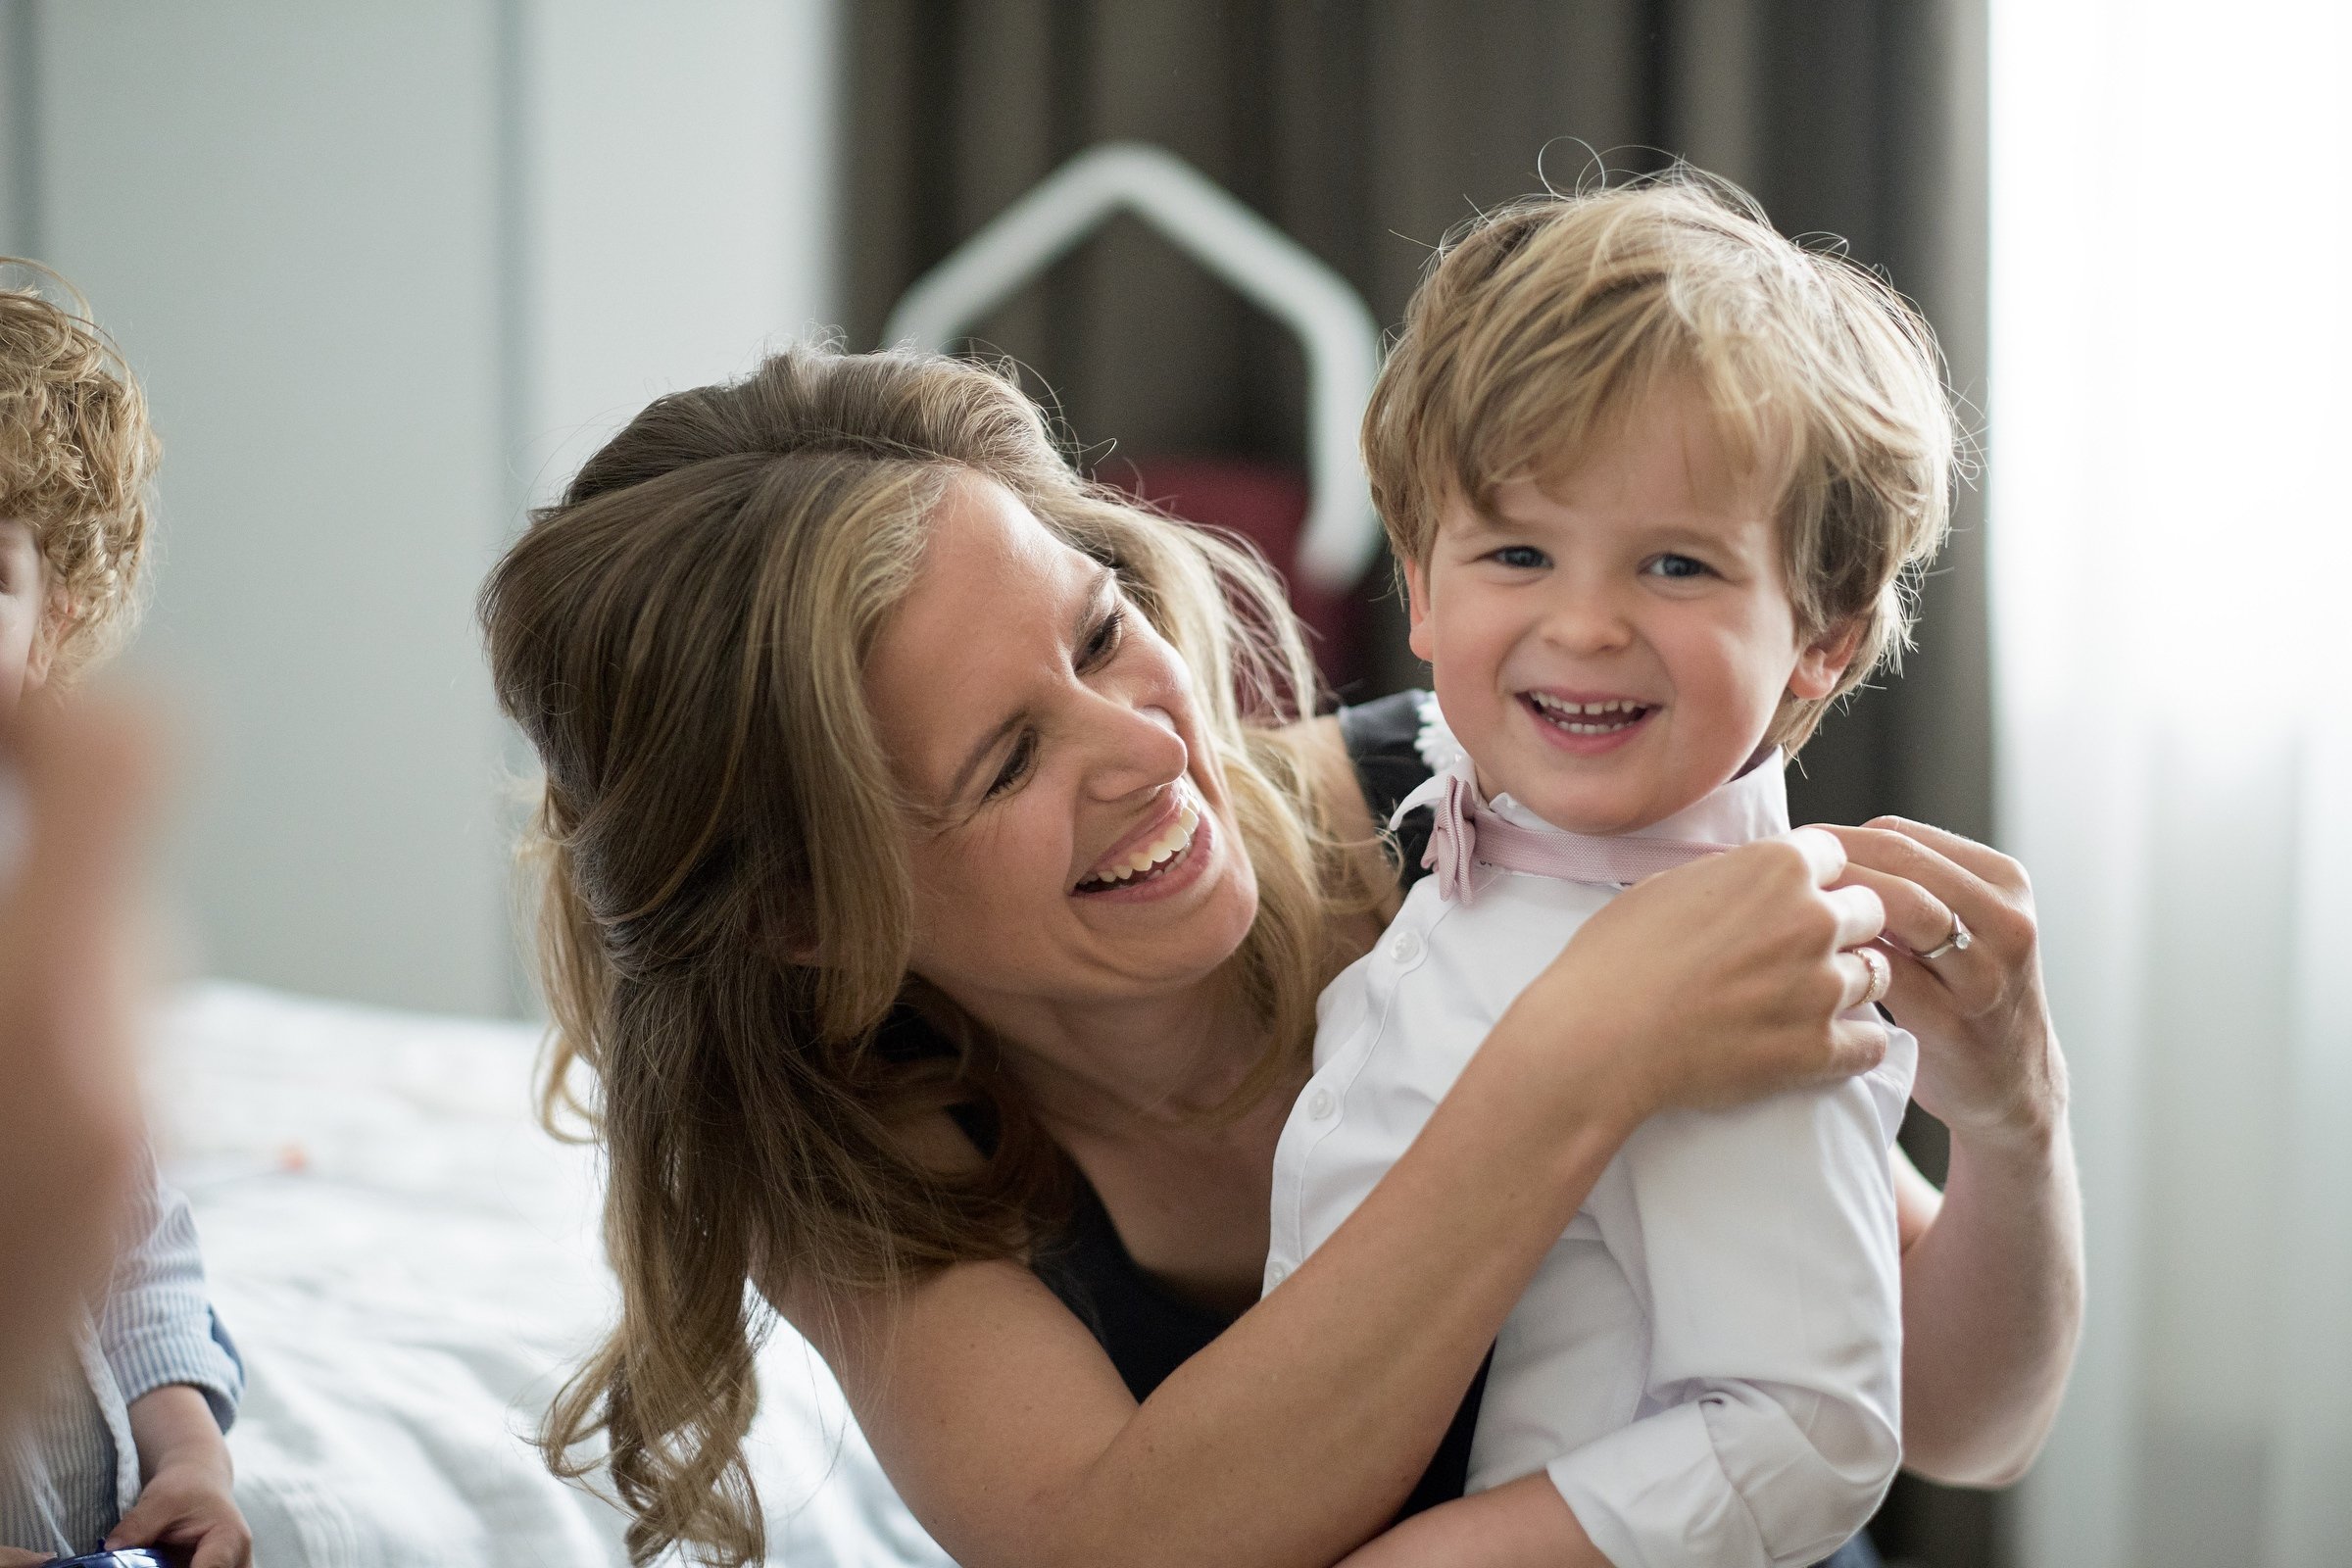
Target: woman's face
1075	843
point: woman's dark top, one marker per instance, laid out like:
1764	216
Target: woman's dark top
1147	1330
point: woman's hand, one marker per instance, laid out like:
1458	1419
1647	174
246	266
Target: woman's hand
1988	1065
1724	980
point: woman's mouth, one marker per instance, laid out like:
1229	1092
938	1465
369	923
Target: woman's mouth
1169	850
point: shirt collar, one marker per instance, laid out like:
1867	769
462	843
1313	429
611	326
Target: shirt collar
1753	806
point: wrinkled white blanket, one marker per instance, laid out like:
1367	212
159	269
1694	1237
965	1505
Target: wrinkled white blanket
408	1263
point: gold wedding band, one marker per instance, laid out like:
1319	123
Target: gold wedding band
1882	974
1957	942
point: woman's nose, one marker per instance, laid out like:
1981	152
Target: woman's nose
1139	750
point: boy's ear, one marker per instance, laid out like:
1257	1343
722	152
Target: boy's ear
57	618
1416	608
1822	662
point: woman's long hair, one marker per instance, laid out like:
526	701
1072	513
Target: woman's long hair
682	638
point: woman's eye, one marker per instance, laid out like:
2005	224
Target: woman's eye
1104	642
1017	765
1523	557
1678	566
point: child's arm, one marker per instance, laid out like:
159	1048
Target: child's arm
184	1474
1520	1524
1765	1240
181	1381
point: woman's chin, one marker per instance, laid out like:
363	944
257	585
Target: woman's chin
1185	924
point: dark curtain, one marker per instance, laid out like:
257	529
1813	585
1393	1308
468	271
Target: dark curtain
1367	128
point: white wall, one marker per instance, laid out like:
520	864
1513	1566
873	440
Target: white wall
681	202
378	262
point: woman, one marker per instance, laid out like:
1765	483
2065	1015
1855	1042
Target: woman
939	879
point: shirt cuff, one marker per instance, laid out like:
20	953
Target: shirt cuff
1653	1495
204	1360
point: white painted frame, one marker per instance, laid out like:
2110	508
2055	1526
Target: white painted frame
1259	261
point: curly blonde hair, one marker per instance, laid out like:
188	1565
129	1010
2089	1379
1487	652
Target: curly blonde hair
76	457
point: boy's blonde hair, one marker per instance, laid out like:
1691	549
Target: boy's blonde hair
1546	324
75	458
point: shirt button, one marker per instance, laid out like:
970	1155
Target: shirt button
1406	946
1322	1104
1276	1273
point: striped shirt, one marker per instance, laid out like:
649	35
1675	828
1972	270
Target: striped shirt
68	1470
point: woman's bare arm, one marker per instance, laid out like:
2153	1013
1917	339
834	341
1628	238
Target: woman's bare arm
1992	1266
1294	1435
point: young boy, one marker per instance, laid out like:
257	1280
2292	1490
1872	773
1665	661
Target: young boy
1656	478
124	1440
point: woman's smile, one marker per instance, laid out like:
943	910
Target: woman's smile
1159	859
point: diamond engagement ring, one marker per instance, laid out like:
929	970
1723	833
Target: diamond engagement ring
1957	942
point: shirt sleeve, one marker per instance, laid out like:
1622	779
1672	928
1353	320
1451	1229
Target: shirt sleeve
1763	1240
158	1326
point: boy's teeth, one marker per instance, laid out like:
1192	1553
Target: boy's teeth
1597	718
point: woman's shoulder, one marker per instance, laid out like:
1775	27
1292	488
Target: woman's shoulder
1368	758
1394	744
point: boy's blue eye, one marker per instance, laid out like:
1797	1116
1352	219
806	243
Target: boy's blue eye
1525	558
1678	566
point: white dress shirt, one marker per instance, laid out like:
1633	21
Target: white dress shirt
1707	1361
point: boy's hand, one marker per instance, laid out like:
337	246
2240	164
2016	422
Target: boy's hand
18	1557
187	1500
68	1111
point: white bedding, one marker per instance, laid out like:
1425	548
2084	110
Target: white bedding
406	1262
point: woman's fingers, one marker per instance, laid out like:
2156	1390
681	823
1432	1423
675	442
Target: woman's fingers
1856	1044
1861	913
1865	981
1916	920
1824	854
1982	861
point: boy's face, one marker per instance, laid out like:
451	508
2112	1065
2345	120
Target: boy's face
25	614
1645	589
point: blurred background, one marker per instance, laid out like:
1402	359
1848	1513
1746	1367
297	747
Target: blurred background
391	268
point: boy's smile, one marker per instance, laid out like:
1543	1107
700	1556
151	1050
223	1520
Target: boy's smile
1615	643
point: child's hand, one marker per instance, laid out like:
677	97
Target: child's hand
18	1557
187	1500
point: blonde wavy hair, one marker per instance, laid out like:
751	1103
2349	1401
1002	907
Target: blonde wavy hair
1540	327
76	458
681	638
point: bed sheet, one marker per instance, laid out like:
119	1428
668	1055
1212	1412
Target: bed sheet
407	1264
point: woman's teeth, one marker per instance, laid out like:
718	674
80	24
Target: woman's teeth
1589	719
1152	857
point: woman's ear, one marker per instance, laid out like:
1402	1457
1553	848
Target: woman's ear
1822	662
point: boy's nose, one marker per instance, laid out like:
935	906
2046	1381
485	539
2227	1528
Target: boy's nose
1585	619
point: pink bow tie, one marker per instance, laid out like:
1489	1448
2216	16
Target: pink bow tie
1467	833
